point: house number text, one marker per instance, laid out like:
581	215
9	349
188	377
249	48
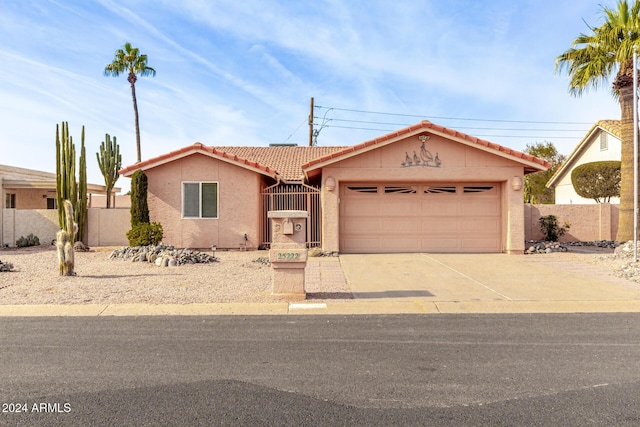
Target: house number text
288	256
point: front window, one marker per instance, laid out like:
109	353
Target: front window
200	200
10	201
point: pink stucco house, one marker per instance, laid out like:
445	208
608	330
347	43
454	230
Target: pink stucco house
424	188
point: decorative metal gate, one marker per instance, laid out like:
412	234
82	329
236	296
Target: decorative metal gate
292	197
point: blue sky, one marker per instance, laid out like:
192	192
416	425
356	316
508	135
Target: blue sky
235	72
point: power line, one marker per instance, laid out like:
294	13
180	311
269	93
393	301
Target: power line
483	136
457	127
452	118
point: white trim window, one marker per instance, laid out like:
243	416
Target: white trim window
200	200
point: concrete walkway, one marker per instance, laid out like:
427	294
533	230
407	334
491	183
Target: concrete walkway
414	284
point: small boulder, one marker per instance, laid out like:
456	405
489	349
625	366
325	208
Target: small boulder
315	252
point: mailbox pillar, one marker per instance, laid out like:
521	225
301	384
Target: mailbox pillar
288	254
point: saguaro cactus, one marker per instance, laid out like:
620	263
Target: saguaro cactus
110	162
67	188
64	242
81	201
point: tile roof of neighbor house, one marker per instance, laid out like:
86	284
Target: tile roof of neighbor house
16	177
22	174
426	125
614	127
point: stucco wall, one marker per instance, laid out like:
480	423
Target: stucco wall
460	163
587	222
17	223
30	198
106	227
100	201
238	206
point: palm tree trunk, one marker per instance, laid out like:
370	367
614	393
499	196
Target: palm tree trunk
132	79
625	219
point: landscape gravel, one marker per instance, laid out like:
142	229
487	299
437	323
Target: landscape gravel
235	277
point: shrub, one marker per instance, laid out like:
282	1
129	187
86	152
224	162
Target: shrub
597	180
550	228
30	240
145	234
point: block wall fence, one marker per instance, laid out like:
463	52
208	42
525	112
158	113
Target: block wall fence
105	227
587	222
108	227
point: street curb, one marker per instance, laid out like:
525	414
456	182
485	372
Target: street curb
350	307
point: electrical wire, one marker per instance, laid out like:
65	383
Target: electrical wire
483	136
379	126
297	129
451	118
457	127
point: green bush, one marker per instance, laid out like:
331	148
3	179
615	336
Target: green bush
550	228
145	234
599	181
30	240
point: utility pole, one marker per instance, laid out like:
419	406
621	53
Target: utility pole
311	123
635	155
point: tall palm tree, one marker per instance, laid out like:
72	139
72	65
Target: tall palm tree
129	60
591	60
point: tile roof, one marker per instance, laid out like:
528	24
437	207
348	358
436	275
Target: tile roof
283	161
612	126
426	125
290	162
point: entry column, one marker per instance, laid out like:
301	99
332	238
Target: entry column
288	254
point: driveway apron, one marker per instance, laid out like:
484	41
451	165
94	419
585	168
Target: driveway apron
481	277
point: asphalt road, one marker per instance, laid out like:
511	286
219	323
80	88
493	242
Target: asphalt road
435	370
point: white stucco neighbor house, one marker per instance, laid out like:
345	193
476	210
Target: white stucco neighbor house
601	143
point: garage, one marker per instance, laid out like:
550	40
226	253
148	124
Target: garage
424	188
420	217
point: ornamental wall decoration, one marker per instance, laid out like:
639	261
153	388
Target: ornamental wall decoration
425	158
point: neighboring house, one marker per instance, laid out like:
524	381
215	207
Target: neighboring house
33	189
30	190
602	142
424	188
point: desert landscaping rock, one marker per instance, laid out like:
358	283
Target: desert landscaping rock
5	266
162	255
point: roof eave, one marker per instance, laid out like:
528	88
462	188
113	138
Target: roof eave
200	149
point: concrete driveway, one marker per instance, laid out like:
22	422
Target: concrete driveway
485	280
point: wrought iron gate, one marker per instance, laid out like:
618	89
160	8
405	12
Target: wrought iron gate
293	197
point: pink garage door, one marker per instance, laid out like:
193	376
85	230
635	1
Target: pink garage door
381	218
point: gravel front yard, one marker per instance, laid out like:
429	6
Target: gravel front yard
236	277
34	280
